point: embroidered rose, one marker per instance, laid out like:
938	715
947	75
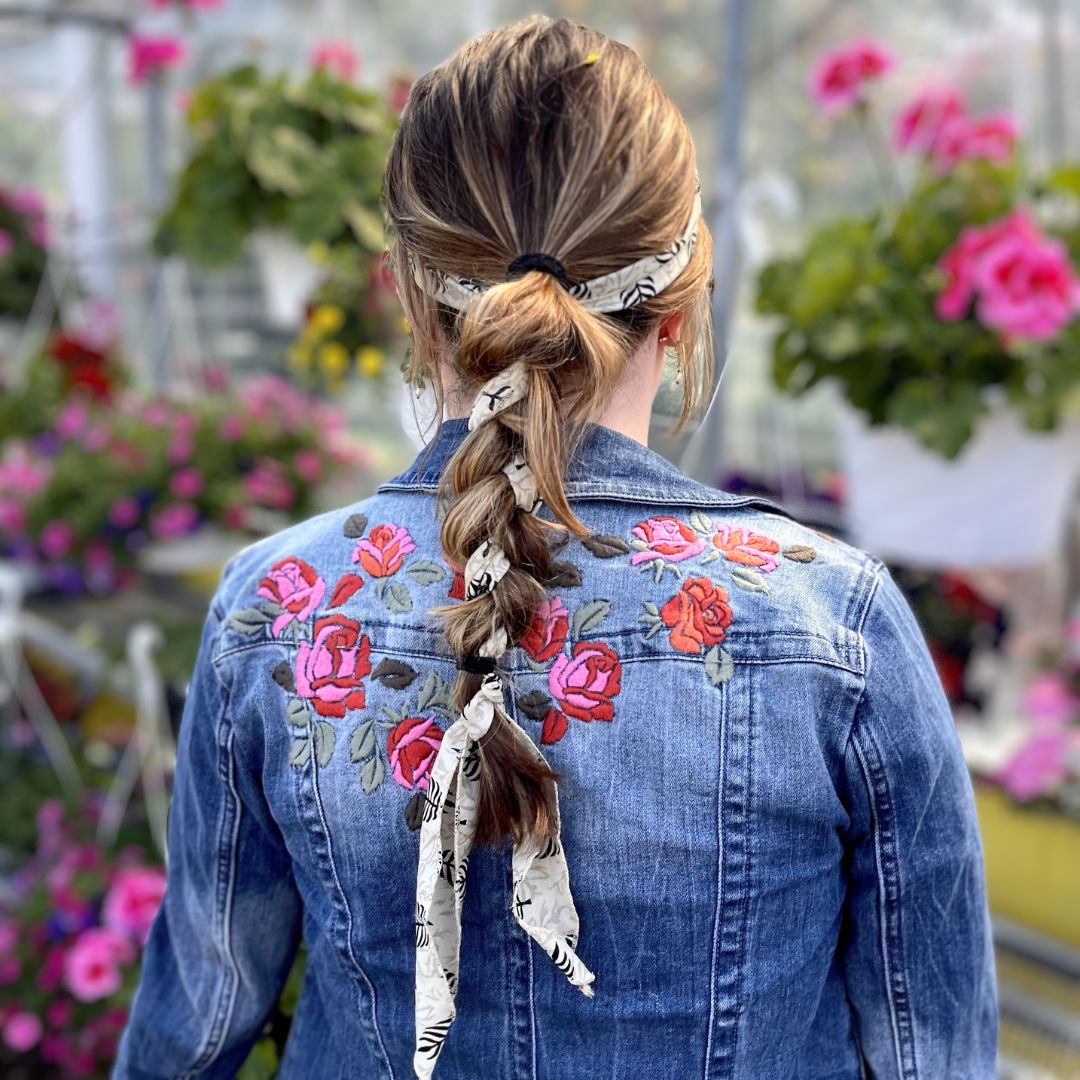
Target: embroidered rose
666	537
331	667
412	746
585	683
383	550
457	586
747	547
547	632
294	585
698	615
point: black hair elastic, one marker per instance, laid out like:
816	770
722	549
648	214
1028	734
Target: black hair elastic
477	665
535	260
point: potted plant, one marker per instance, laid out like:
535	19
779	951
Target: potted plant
24	239
947	318
289	163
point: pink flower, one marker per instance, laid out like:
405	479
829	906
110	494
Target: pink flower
12	517
1024	282
585	683
56	539
59	1012
148	55
838	78
95	438
157	414
133	900
1050	700
961	138
337	57
412	746
39	233
174	520
666	538
180	449
330	670
26	201
308	465
1038	767
921	120
92	964
268	484
382	552
7	243
9	936
296	587
124	512
10	969
71	420
51	972
231	428
186	483
22	1031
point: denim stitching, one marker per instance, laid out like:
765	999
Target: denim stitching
348	911
888	873
715	951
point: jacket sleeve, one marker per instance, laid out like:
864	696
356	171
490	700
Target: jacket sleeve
916	942
227	931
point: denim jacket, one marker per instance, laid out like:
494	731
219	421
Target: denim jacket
767	820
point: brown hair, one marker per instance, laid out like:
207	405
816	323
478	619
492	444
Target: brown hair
543	136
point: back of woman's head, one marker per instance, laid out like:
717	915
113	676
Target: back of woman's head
541	137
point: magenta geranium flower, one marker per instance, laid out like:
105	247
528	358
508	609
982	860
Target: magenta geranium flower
1038	767
133	901
840	75
92	965
963	138
920	121
337	57
148	55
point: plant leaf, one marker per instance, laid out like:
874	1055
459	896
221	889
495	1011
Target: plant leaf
355	526
297	712
719	666
433	693
589	616
397	597
701	522
425	572
249	621
414	810
710	556
362	744
606	547
271	607
325	741
534	704
749	580
799	553
371	775
346	586
300	754
568	576
284	677
394	673
651	608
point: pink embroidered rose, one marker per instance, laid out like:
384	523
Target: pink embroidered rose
92	965
584	683
747	547
412	746
666	537
839	76
921	120
547	632
294	585
698	615
383	550
330	669
133	900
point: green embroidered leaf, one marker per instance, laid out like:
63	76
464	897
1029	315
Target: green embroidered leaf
297	712
300	754
283	676
701	522
748	580
362	743
372	774
658	569
325	741
398	598
719	666
589	616
651	608
568	576
606	547
639	545
710	556
535	664
414	810
425	572
433	693
394	673
249	621
293	631
355	526
534	704
799	553
649	617
394	717
654	629
270	607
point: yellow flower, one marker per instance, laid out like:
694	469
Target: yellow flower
299	356
369	360
318	251
327	319
404	325
333	358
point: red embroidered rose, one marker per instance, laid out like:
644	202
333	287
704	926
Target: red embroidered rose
667	538
585	683
547	632
383	550
698	615
412	747
747	547
457	586
294	585
330	669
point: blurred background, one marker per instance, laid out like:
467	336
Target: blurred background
198	345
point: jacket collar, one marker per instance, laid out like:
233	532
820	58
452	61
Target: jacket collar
606	465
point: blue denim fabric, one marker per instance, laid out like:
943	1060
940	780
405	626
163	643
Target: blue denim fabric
772	842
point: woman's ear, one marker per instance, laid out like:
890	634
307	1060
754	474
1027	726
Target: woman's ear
670	328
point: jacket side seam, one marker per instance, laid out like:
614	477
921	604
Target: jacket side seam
887	865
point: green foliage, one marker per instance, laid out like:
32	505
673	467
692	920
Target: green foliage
857	306
266	151
23	266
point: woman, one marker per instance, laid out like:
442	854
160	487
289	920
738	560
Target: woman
760	859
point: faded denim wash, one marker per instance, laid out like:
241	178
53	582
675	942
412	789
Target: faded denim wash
767	818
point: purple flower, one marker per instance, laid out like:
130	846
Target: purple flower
1037	767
